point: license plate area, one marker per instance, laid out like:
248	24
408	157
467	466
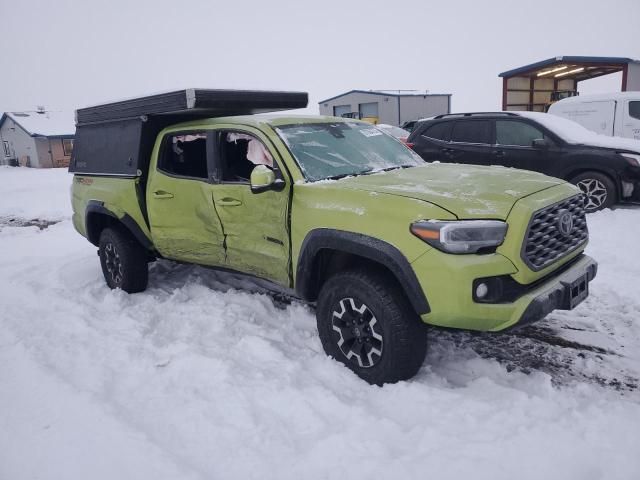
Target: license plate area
577	291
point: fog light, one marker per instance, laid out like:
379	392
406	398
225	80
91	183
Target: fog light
627	189
481	290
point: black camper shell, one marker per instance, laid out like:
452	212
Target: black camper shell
116	139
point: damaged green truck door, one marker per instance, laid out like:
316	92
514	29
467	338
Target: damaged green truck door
255	225
182	217
215	222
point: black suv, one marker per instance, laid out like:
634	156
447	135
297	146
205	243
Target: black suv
607	169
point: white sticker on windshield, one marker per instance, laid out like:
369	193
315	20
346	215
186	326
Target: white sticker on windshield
370	132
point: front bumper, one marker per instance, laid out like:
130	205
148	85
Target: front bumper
565	292
452	304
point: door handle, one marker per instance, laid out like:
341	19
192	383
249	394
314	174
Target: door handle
162	194
499	153
229	202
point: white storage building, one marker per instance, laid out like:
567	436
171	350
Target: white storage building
382	106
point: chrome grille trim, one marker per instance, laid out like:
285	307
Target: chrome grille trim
544	243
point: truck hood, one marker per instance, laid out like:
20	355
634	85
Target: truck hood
467	191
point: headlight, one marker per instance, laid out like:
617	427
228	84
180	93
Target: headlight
465	236
632	159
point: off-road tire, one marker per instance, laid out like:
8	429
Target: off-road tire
599	190
404	336
123	260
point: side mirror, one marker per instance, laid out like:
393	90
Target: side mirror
263	179
541	143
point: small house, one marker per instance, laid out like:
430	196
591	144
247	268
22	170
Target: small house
39	139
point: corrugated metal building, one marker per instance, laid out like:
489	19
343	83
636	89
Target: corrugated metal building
381	106
37	139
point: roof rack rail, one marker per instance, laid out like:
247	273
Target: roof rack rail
472	114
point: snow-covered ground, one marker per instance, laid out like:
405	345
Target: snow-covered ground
197	378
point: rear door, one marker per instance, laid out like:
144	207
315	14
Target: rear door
255	225
631	125
470	142
183	220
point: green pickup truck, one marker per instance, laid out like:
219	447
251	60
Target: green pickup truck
333	210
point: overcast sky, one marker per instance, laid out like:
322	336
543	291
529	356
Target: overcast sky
66	54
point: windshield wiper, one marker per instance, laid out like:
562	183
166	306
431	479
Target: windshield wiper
368	172
351	174
397	167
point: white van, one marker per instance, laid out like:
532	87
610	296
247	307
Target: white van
613	114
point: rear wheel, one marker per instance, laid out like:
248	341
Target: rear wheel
365	322
598	189
123	260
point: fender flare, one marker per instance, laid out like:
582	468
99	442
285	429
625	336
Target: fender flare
97	207
360	245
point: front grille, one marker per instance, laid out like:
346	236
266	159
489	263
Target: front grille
545	241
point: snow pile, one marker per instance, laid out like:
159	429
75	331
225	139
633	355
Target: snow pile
26	194
207	376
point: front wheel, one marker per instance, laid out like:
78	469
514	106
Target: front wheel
365	322
598	189
123	260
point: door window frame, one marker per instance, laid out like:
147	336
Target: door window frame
447	123
218	166
544	132
164	146
492	132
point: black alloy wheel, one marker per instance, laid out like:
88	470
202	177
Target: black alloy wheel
124	261
366	322
113	263
359	337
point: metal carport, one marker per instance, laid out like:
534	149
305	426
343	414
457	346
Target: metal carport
534	86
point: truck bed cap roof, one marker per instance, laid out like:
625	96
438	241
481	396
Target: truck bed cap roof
193	104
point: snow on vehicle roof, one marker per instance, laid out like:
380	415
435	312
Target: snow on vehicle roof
395	131
575	133
47	124
600	97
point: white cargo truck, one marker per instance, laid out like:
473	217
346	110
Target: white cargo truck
612	114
